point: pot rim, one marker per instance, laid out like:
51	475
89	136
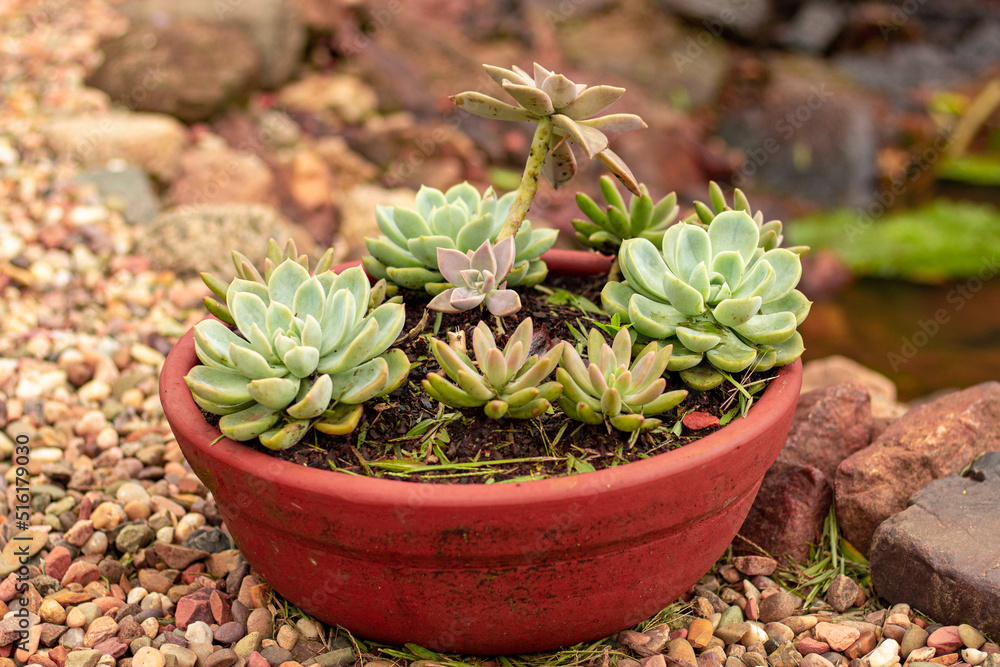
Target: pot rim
694	458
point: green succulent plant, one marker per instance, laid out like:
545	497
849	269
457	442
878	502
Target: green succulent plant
607	227
770	231
507	382
459	219
722	302
614	386
307	352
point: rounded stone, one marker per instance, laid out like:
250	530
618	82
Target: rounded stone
108	516
198	632
262	622
971	637
230	633
148	657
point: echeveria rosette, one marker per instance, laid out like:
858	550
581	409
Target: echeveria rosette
306	353
613	386
502	382
607	227
460	219
722	302
479	279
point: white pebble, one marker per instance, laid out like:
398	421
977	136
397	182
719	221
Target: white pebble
187	525
131	492
94	391
165	534
198	632
973	656
885	654
97	544
136	595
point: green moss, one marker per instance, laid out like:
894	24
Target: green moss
940	241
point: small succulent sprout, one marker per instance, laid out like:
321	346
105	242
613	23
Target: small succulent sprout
479	277
460	219
504	382
770	231
723	302
612	386
569	106
306	353
245	270
607	227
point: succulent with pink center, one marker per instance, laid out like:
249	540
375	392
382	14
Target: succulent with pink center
478	277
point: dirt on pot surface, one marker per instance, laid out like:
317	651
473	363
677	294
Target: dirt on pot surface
408	435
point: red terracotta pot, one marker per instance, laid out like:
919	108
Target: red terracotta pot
486	569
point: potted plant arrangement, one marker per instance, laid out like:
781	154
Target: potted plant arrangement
497	547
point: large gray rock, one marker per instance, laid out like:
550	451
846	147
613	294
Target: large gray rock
795	496
274	27
185	67
939	555
928	442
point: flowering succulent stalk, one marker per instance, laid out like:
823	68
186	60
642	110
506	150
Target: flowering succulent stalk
506	382
723	302
564	112
477	275
613	387
306	353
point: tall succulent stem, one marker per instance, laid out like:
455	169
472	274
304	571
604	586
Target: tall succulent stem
529	179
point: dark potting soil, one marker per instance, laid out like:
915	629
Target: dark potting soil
408	435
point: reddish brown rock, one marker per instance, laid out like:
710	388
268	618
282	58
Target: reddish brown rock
81	572
788	513
752	565
778	606
809	645
945	640
928	442
794	499
866	644
842	593
111	646
839	636
57	562
176	556
221	607
194	607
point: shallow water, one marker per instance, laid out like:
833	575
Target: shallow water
924	338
